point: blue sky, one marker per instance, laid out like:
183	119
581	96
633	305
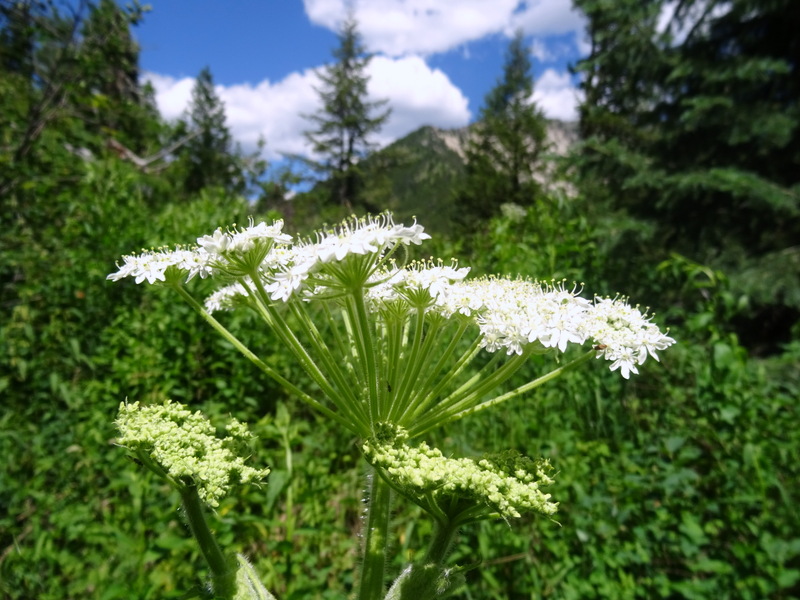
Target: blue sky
434	60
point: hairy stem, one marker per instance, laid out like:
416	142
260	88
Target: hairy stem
376	541
223	570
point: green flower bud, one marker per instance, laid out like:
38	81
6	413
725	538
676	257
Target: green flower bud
461	489
182	446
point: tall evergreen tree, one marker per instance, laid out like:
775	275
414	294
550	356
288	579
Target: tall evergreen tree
508	143
17	38
691	122
347	119
56	67
209	155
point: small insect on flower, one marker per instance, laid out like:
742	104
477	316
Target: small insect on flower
600	347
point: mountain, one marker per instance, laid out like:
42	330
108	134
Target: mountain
416	175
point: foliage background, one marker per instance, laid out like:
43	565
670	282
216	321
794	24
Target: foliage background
681	483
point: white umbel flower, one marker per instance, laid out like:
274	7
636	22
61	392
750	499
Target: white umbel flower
420	283
221	244
333	259
516	316
221	249
152	265
515	313
223	298
624	335
364	236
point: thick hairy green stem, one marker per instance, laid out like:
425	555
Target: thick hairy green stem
443	534
223	568
373	568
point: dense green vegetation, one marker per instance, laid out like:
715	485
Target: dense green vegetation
691	127
682	483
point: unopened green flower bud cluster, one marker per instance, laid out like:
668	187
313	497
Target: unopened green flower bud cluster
507	485
184	444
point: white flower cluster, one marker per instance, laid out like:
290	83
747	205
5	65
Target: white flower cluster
184	444
321	261
514	313
363	236
623	335
152	265
285	268
424	473
225	297
222	244
420	283
213	252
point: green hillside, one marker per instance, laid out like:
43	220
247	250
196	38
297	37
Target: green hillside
417	175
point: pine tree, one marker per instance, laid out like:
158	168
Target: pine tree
506	148
209	155
57	62
692	124
347	118
17	38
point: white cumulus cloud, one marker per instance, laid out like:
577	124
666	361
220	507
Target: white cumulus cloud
557	95
541	51
269	110
547	17
417	95
583	43
402	27
172	95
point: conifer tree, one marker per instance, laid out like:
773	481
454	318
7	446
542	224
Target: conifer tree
209	155
691	123
17	38
347	119
506	148
68	73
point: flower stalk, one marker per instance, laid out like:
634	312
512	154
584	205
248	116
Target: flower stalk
223	568
376	540
182	448
252	357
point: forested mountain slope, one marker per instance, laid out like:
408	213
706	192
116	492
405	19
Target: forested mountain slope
418	174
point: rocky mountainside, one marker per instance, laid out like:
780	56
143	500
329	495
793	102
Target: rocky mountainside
561	135
416	175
